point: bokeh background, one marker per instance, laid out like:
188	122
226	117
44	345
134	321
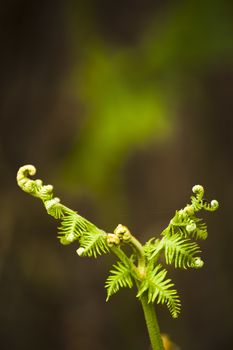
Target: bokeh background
122	106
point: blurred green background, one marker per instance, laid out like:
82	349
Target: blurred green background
122	106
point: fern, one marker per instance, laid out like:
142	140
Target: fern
176	243
120	277
93	243
159	288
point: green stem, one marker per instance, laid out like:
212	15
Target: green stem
124	258
140	254
152	323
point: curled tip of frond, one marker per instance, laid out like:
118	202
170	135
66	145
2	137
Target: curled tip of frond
191	227
33	187
23	172
27	169
198	190
122	233
214	204
120	229
112	239
197	263
65	240
80	251
198	202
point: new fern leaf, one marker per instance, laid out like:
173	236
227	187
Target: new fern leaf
160	289
119	277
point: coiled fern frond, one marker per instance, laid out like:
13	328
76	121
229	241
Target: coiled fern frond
73	226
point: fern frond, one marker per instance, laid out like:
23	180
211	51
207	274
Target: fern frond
180	251
72	227
159	288
93	243
119	277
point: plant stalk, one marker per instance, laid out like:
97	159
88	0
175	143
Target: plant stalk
152	323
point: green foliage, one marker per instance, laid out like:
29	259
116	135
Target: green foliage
143	267
93	243
119	277
72	227
186	226
159	288
54	208
180	251
152	248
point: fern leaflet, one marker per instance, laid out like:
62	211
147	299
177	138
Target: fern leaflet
180	251
93	243
72	227
201	230
160	288
152	248
120	277
186	226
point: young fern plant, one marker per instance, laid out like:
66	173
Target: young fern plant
144	266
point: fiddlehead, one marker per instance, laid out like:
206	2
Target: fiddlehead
73	226
198	202
184	226
33	187
37	189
